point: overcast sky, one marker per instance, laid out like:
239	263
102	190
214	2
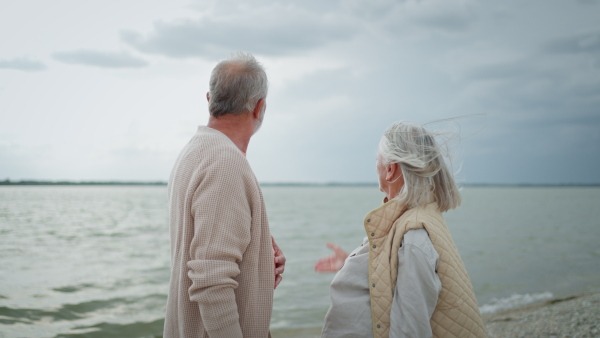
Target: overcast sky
112	90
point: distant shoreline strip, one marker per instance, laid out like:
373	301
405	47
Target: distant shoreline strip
278	184
28	182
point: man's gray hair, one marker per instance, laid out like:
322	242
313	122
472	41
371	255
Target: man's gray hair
423	166
236	85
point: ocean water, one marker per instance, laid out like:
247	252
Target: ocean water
93	261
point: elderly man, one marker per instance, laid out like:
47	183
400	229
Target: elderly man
225	264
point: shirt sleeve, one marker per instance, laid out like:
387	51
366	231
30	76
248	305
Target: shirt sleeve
222	220
417	287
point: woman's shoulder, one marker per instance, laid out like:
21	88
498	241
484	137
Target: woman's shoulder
419	238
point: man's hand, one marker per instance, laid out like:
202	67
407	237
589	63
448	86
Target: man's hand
279	259
333	262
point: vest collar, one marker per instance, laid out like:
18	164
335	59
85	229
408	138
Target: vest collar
379	221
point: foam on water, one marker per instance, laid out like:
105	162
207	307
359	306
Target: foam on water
514	301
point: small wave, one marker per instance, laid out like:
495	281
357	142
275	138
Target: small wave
514	301
73	288
12	316
68	312
95	305
137	329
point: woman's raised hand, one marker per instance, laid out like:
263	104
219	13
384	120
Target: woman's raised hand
333	262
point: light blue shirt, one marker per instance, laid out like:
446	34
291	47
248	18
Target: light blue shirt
415	295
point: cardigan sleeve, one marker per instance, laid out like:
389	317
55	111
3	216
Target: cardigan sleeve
417	287
222	220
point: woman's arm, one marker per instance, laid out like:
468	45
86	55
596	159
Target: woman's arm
417	287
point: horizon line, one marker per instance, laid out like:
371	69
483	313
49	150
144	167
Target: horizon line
8	182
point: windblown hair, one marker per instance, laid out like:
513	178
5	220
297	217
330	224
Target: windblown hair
423	166
236	85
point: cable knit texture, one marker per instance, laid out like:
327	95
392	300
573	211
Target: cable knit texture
221	253
456	313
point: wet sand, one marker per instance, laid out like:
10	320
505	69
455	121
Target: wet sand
577	316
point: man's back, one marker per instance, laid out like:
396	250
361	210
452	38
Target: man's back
221	252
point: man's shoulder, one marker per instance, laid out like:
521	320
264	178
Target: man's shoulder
209	136
214	144
211	154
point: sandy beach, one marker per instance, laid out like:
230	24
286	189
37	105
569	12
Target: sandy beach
577	316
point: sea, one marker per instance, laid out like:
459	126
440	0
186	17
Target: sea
93	261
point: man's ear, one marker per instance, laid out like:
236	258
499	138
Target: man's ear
208	96
258	108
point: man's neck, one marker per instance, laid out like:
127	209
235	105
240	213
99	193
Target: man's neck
239	128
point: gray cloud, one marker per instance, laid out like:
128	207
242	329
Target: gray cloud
422	18
541	101
377	10
522	70
446	15
323	84
553	81
589	2
273	30
580	43
100	59
276	29
23	64
525	92
450	19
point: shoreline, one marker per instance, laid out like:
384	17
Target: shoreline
575	316
32	182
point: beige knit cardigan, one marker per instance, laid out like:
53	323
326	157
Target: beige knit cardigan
456	313
221	253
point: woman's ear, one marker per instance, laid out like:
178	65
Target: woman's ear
390	171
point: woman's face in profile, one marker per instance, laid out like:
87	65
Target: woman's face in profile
381	172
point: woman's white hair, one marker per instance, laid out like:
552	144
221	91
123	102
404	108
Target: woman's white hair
236	85
423	166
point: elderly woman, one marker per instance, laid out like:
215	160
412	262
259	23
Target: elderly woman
407	278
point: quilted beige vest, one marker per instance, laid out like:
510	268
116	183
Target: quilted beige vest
456	313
